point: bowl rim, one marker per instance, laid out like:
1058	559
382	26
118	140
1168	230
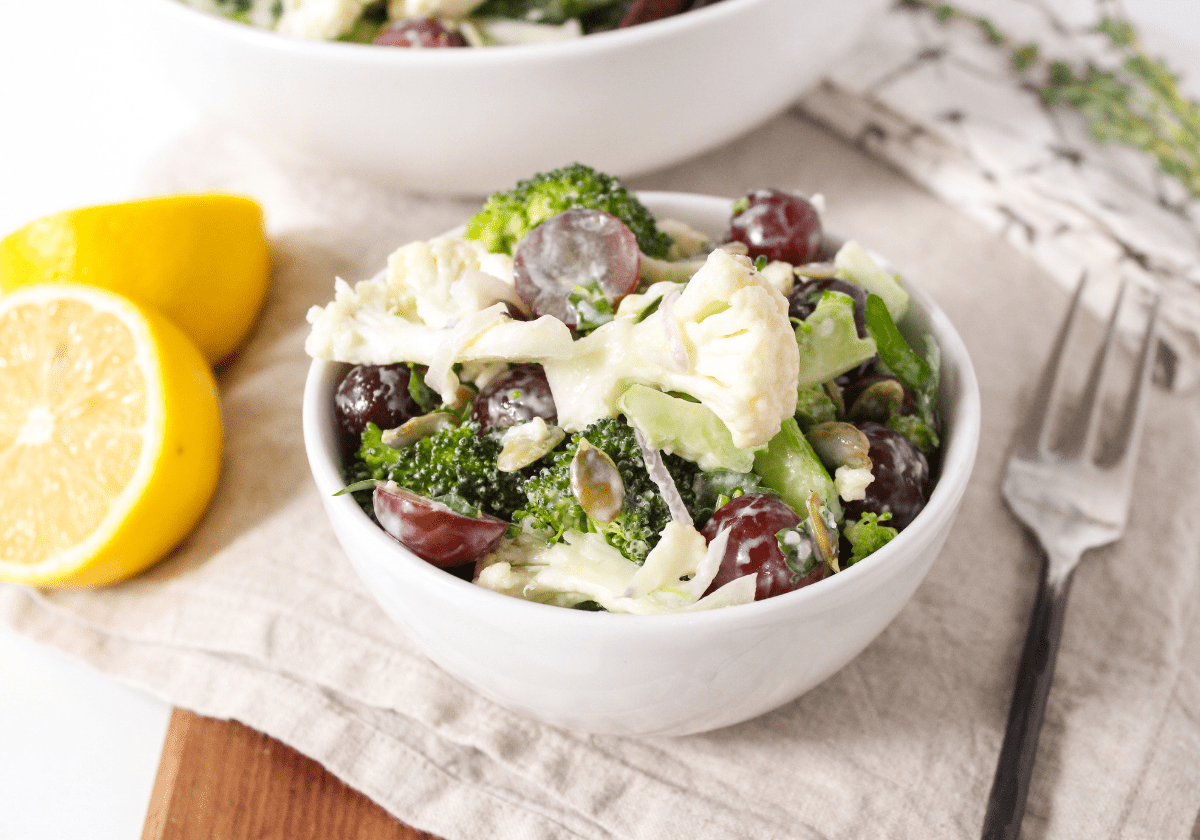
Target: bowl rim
368	54
958	459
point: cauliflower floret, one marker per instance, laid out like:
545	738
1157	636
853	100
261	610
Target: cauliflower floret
725	340
442	301
319	19
427	280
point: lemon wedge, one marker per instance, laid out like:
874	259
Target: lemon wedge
110	436
201	260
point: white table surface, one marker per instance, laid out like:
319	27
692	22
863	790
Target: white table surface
78	751
78	119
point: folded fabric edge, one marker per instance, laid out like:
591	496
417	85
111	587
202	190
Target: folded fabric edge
323	726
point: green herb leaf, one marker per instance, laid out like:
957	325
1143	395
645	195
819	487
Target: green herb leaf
1138	104
366	484
919	376
422	394
590	305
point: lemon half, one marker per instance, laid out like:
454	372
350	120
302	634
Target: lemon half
110	436
202	260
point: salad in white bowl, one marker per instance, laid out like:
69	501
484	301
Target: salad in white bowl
444	23
573	402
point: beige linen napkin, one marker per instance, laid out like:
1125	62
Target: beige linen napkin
259	617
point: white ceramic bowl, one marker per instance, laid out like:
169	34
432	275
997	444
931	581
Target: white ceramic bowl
656	674
470	121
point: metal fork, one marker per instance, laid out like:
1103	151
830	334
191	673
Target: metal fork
1073	497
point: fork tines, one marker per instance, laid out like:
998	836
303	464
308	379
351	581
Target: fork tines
1076	432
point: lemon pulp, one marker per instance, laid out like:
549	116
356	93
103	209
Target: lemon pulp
110	436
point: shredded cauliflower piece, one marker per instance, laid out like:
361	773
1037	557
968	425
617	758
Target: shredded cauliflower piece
501	30
742	360
405	9
586	568
456	336
319	19
535	431
634	304
686	241
851	482
781	275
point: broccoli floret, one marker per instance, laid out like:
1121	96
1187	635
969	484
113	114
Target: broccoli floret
552	508
508	216
455	465
867	536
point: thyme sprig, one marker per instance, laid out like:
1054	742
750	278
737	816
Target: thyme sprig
1138	104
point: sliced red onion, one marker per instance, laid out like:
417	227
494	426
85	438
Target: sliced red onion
677	353
662	479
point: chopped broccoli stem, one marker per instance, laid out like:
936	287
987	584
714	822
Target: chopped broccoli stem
508	216
813	406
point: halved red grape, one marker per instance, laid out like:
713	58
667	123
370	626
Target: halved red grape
644	11
753	521
578	247
433	531
514	397
901	477
419	32
779	226
372	394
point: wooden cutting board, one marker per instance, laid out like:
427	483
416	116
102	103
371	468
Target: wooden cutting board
220	780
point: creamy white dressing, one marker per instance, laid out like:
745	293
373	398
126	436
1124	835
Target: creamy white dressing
723	337
583	567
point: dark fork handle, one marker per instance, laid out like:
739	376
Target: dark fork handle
1006	804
